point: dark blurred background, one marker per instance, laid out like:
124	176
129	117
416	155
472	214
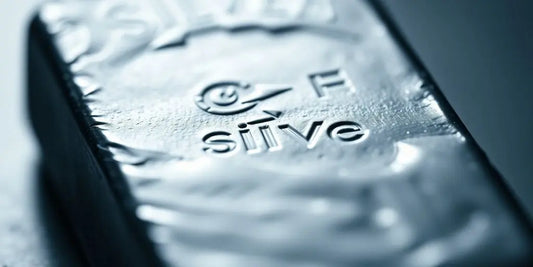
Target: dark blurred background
479	52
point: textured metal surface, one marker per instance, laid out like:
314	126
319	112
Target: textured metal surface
279	133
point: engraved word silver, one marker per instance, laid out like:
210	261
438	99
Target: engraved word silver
263	138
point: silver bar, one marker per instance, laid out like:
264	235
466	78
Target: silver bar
280	133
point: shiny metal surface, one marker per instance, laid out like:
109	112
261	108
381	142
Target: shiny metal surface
280	133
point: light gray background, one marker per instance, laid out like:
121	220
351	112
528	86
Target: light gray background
479	52
20	231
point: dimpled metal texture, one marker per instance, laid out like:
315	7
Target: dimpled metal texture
280	133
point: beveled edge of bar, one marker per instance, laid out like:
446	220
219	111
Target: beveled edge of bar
85	125
497	181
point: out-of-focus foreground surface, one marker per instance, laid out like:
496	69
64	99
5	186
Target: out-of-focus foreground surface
479	55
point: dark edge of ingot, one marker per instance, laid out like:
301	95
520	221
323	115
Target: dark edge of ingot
497	179
79	149
109	171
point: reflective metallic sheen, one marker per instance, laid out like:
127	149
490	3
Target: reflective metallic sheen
280	133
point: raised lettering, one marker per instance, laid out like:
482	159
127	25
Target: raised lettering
310	139
218	143
345	131
330	80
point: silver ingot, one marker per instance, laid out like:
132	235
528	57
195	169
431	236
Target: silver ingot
280	133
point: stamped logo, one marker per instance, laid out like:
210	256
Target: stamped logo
263	134
232	97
